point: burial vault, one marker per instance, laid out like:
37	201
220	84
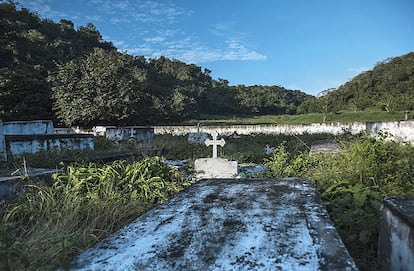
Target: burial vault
232	224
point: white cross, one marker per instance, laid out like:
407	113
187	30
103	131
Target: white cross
215	143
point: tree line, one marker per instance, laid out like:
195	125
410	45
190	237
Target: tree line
50	70
389	86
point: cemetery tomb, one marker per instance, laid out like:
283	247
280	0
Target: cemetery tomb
230	224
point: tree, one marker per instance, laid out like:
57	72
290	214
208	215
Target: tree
326	102
105	87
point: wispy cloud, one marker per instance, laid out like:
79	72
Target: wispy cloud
191	51
43	8
157	28
144	11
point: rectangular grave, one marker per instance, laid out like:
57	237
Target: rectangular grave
396	242
232	224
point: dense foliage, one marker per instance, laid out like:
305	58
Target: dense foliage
47	65
352	185
389	86
30	48
47	225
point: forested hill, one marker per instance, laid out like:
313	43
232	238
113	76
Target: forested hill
51	70
389	86
30	48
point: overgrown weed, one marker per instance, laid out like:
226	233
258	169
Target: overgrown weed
353	185
46	225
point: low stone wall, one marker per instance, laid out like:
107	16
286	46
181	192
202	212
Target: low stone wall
19	144
288	129
400	130
396	244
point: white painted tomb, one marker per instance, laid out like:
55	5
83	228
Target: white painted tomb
215	167
231	224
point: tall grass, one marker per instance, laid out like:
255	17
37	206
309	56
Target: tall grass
243	149
46	225
352	185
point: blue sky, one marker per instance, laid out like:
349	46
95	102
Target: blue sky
311	45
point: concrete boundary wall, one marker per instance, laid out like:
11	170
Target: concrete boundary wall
290	129
401	130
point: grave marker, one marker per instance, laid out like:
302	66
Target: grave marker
215	167
214	142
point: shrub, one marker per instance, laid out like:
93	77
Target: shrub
46	225
353	184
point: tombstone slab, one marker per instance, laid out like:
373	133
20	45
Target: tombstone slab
268	224
215	168
396	241
324	147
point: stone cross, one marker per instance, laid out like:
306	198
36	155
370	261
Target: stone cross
215	143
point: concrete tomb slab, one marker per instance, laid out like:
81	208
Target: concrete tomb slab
215	168
324	146
233	224
396	242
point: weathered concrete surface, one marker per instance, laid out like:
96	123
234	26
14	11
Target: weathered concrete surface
31	127
396	244
215	168
400	130
324	146
21	144
235	224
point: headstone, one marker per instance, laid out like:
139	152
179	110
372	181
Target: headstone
269	150
215	167
198	137
215	142
406	115
267	224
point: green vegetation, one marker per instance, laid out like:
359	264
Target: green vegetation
352	185
244	149
389	87
343	116
88	202
48	224
52	71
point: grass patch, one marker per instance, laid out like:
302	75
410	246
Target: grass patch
244	149
341	117
47	225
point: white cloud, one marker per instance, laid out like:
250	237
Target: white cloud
143	11
43	8
191	51
149	23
